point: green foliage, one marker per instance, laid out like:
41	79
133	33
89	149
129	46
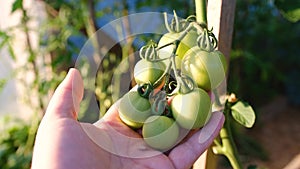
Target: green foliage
289	9
55	51
2	84
18	4
6	42
104	86
4	37
14	153
243	113
59	28
264	51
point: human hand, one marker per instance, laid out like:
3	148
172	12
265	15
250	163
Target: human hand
62	142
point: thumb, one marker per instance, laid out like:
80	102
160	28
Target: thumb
67	97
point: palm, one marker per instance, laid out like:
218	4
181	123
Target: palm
82	152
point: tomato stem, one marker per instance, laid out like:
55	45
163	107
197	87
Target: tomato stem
149	54
173	54
227	146
183	85
201	16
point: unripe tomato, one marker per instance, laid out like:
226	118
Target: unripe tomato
148	72
191	110
134	109
208	69
160	132
189	41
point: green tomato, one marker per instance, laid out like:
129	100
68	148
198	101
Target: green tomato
191	110
134	109
189	41
148	72
208	69
160	132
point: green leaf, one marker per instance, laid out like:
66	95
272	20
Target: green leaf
2	43
18	4
12	52
3	39
2	84
243	113
289	9
3	35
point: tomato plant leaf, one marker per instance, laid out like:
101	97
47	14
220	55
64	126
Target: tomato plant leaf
289	9
18	4
243	113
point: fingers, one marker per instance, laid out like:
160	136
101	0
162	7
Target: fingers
111	116
67	97
185	154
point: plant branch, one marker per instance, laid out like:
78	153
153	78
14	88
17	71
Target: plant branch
32	56
230	150
201	16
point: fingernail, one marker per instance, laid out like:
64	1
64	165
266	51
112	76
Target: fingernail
212	128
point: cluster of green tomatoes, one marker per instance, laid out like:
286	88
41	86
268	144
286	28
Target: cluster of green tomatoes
174	78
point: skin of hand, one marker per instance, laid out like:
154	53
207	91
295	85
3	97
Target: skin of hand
64	143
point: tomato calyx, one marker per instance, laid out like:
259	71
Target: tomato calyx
145	90
185	84
158	102
150	69
170	86
207	40
177	24
149	52
157	98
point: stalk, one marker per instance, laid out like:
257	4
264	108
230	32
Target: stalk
230	150
201	11
227	146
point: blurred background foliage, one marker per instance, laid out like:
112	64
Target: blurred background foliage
265	55
264	61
